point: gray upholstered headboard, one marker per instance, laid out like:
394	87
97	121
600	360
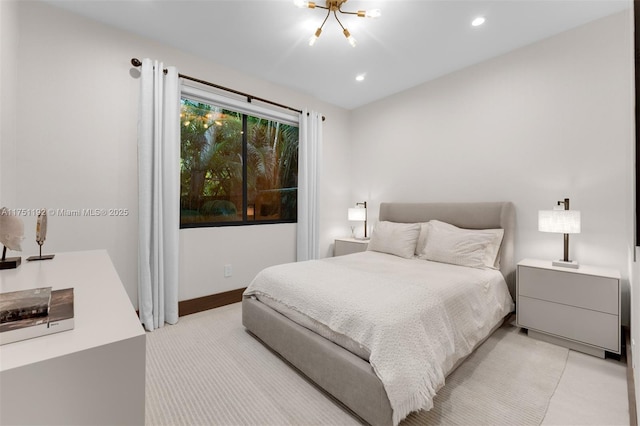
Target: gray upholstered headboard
486	215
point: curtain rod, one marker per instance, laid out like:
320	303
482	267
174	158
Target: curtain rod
136	63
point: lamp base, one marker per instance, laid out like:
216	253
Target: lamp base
41	257
566	264
10	262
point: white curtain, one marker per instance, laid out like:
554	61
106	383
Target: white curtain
159	194
309	162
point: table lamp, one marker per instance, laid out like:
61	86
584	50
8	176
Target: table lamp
561	220
359	214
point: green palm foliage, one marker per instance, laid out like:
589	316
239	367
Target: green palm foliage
212	165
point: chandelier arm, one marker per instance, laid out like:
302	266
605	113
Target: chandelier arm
325	18
346	13
336	15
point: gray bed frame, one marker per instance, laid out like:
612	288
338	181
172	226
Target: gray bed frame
342	374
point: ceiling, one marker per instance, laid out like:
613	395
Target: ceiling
412	42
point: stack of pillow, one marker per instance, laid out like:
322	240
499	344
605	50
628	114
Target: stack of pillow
440	242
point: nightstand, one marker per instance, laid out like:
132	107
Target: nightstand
349	245
575	308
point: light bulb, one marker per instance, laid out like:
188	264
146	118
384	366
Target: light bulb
373	13
350	39
315	37
303	4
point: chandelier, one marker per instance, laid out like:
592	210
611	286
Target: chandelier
335	7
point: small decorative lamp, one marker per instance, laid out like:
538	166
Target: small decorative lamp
359	214
561	220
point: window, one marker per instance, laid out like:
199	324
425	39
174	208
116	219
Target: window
236	168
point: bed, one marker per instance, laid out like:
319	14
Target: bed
383	375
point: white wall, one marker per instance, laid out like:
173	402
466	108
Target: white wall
8	70
545	122
76	109
634	264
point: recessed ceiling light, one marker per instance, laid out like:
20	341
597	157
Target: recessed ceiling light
360	77
478	21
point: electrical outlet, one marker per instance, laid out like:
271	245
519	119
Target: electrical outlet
228	270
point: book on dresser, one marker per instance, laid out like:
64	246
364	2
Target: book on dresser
23	304
59	317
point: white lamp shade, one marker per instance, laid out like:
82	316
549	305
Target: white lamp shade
559	221
357	214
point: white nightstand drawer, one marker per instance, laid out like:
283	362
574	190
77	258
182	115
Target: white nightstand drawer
344	246
582	325
585	291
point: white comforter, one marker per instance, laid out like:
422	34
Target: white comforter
416	318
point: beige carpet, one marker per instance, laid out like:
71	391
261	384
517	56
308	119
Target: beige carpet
207	370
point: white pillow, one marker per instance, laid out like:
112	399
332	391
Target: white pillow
492	259
467	247
395	238
422	238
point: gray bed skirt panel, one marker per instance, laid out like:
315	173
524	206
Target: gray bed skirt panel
344	375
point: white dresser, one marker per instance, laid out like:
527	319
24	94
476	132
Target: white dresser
575	308
344	246
91	375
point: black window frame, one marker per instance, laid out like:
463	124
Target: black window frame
244	221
